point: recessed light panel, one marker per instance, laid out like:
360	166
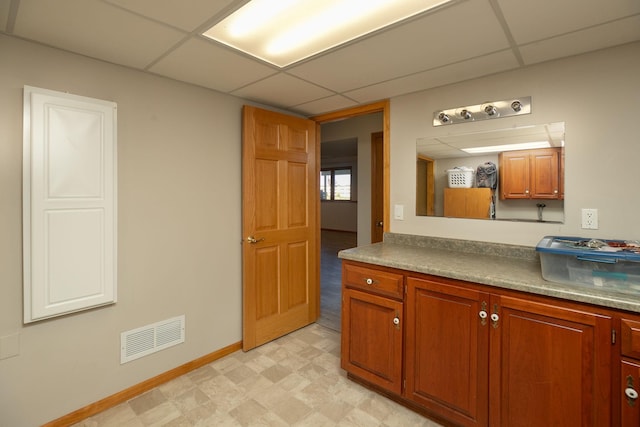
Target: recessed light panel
286	31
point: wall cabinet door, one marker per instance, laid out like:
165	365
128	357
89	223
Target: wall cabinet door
549	365
372	338
447	350
531	174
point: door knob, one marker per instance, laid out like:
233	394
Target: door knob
379	223
252	239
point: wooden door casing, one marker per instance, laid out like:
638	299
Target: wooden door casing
446	350
280	211
550	365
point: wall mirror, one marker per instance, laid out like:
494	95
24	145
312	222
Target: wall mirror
530	169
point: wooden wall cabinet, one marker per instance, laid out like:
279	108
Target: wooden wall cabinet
531	174
467	202
480	356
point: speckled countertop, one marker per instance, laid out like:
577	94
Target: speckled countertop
503	266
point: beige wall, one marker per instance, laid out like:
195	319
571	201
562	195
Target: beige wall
596	95
179	233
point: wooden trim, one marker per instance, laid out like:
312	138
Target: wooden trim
361	110
138	389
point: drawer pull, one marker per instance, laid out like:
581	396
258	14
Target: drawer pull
370	281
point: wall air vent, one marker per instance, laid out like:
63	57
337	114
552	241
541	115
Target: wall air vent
151	338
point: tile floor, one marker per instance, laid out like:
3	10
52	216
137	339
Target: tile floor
295	380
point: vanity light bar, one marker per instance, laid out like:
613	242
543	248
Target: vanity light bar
485	111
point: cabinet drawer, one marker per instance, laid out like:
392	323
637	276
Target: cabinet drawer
372	280
630	340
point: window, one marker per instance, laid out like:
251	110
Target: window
335	183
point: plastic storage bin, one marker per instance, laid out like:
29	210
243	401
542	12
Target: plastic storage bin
461	177
611	264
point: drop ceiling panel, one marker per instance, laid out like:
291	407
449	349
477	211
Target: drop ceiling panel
465	70
207	64
535	20
464	30
185	14
600	37
324	105
289	90
117	36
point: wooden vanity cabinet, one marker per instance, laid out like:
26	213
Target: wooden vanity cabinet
629	384
475	355
447	350
467	202
531	174
372	325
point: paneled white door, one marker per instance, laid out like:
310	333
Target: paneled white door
69	203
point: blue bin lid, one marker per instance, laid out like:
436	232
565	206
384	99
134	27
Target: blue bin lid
580	248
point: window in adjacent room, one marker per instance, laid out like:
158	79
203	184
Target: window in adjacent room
335	183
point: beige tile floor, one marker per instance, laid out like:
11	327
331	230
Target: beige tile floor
295	380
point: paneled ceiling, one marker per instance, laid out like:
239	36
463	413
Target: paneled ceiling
463	40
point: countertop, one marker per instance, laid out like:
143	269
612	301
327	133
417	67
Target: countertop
503	266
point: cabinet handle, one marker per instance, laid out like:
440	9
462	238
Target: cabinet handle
396	322
630	392
483	313
526	191
494	316
370	281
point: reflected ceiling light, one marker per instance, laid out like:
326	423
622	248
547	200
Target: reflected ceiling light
485	111
286	31
507	147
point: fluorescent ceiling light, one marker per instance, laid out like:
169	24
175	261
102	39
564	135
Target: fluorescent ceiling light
507	147
283	32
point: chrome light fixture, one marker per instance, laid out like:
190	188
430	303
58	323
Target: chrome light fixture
484	111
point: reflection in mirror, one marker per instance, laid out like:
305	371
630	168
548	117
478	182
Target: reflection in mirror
530	174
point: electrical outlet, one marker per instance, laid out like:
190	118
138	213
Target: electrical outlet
590	219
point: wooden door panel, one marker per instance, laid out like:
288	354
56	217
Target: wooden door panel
544	174
297	195
297	257
266	190
514	177
447	350
280	225
554	366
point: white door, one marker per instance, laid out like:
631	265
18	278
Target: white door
69	203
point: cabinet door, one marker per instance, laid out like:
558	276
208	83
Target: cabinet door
514	175
455	202
447	350
372	338
544	174
550	365
630	387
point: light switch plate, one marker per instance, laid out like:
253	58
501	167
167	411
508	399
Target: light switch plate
398	212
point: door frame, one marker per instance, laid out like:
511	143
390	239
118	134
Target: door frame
361	110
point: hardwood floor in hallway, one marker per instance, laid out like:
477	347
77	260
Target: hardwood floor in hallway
331	275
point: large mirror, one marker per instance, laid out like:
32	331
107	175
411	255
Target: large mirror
528	162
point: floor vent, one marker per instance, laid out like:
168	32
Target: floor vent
151	338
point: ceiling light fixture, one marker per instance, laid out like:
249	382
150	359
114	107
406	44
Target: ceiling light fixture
507	147
485	111
286	31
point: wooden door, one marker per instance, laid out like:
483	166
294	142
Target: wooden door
544	174
550	365
372	338
280	256
447	350
514	175
377	187
629	382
